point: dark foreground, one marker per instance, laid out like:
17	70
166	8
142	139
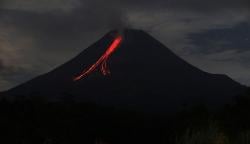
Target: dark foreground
36	121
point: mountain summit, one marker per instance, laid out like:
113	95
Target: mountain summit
144	74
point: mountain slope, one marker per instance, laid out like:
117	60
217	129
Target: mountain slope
144	74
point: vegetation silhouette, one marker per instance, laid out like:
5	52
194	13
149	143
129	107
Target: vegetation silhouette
34	119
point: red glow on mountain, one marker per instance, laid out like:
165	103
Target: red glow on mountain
102	61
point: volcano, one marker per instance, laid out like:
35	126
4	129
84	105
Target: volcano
144	74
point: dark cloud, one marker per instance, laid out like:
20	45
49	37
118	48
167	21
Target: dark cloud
13	73
93	15
59	30
236	38
211	5
40	5
114	5
1	65
193	5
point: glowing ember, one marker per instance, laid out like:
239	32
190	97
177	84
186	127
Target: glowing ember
102	61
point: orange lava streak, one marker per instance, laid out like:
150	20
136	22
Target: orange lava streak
102	61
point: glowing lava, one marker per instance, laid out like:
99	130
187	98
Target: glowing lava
102	61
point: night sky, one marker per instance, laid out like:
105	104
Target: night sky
39	35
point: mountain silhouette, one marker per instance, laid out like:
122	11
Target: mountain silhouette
145	75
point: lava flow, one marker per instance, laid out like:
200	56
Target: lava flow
102	61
